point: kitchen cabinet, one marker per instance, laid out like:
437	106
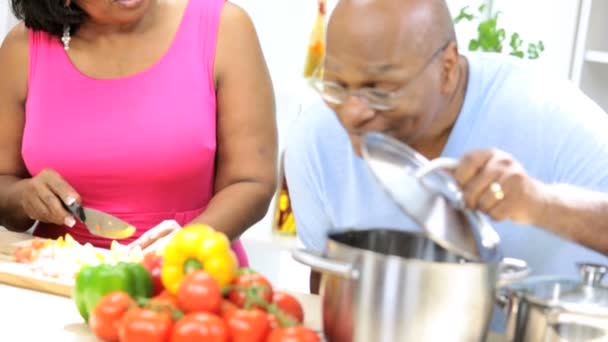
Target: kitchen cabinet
590	62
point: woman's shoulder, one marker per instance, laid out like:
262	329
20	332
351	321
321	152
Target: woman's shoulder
16	39
236	38
234	13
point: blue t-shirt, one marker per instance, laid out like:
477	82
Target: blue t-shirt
557	133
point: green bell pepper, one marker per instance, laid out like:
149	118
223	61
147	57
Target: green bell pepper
94	282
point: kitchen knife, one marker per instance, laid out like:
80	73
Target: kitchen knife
101	224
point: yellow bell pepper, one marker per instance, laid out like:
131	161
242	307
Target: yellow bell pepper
197	247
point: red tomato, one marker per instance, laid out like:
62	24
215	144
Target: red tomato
107	313
247	325
166	297
37	243
226	307
289	305
26	254
200	326
198	292
293	334
153	263
165	302
247	281
141	325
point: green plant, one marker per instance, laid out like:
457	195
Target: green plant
491	37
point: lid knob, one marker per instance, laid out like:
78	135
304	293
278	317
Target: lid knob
592	274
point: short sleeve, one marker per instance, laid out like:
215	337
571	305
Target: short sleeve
581	151
312	221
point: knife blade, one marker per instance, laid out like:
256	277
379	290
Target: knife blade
100	223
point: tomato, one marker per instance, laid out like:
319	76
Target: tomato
165	297
247	325
289	305
37	243
198	292
153	263
107	313
226	307
293	334
247	280
164	302
26	254
200	326
145	326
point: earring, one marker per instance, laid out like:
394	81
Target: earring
66	37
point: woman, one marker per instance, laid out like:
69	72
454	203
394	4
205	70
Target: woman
150	110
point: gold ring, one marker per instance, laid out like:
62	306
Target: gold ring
497	191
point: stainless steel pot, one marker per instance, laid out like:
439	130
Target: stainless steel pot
382	285
558	309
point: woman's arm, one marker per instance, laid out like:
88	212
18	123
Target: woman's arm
13	89
246	172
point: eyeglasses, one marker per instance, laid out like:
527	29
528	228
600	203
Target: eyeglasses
376	99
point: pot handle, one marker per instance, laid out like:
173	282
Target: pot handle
558	316
321	264
511	270
451	192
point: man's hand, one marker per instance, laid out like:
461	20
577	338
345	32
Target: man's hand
497	185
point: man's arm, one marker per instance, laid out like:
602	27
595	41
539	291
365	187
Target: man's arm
577	214
305	193
312	221
573	201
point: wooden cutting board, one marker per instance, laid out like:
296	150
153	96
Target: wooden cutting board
10	241
16	274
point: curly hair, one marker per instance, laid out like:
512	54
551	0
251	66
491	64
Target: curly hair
48	15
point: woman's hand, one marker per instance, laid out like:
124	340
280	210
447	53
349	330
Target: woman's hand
155	238
496	184
42	195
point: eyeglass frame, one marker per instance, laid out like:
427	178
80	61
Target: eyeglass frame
317	85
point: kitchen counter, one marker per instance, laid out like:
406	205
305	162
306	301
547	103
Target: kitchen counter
27	315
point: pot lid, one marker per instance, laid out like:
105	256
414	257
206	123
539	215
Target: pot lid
586	294
431	197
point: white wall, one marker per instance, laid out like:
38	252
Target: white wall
552	21
6	19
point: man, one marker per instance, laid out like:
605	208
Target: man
533	151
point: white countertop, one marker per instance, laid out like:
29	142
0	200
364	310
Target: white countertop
27	315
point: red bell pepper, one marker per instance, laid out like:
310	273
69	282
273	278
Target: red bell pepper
153	263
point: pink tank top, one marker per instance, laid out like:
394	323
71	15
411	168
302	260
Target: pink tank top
140	147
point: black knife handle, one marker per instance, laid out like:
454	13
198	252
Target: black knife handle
76	210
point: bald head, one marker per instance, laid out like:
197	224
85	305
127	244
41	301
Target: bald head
386	30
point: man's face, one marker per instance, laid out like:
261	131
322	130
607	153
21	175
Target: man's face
400	99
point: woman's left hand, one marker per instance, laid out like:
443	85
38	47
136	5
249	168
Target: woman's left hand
497	185
155	238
